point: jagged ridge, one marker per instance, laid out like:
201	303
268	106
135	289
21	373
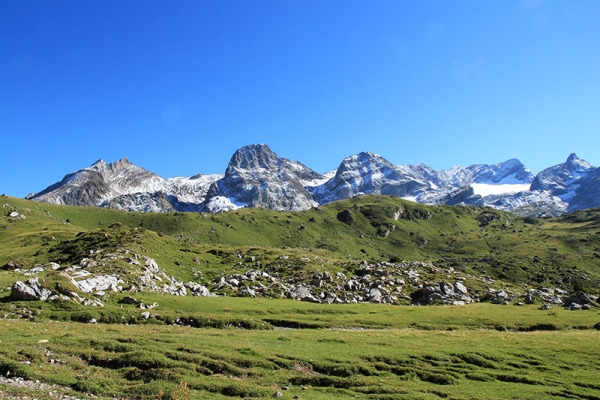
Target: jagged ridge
258	177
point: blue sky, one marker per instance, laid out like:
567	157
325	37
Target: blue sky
178	86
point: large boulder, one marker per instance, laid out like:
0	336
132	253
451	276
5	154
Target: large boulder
29	290
579	298
460	288
199	290
302	293
375	295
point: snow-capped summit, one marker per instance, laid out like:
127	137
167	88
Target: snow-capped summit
507	172
575	182
367	173
257	177
563	180
123	185
575	163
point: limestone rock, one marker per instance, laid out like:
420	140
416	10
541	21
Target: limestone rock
30	290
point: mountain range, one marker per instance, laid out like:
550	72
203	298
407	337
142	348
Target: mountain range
257	177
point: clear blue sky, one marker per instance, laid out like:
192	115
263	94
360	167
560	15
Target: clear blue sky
178	86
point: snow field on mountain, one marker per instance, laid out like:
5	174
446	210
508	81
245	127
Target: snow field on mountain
485	189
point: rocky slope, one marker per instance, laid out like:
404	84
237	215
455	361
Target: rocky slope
257	177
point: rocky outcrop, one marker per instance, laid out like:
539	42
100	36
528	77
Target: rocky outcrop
579	300
29	290
442	292
199	290
99	283
143	202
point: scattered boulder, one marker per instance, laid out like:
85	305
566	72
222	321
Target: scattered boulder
443	292
302	293
459	287
580	298
29	290
528	298
199	290
11	266
247	292
375	296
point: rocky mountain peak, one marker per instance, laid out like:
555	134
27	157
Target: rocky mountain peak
563	180
363	163
99	164
575	163
253	157
367	173
512	169
257	177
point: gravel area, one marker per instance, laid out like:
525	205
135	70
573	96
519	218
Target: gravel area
46	391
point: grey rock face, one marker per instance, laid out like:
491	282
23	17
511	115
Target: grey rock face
588	192
144	202
124	186
511	170
367	173
30	290
447	293
257	177
562	179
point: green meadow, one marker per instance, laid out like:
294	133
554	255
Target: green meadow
238	347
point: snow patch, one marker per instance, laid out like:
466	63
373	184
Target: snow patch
485	189
222	203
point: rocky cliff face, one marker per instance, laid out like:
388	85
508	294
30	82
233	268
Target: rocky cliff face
124	186
368	173
563	180
507	172
257	177
575	182
82	188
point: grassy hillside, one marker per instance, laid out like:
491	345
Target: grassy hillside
480	241
232	347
